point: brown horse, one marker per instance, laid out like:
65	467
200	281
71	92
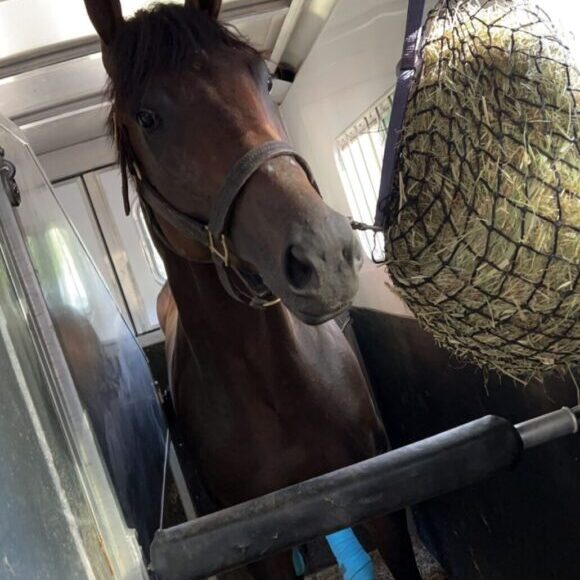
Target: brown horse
268	396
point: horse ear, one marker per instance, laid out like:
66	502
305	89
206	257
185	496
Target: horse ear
107	17
210	7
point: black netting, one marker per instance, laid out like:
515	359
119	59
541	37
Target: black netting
483	237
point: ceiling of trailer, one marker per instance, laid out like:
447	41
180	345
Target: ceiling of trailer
52	79
30	25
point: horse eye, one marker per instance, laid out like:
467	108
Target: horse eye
148	120
270	83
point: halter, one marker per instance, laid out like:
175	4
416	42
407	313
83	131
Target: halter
249	288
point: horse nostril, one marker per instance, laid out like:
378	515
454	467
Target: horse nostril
298	271
347	254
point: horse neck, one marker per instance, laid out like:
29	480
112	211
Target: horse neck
213	321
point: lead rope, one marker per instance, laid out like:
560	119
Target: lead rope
376	230
362	227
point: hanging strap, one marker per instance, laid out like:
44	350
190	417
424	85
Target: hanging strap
407	69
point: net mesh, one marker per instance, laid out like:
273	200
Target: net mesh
482	239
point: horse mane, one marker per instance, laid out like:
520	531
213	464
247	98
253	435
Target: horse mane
163	39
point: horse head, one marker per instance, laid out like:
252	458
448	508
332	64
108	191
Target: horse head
190	100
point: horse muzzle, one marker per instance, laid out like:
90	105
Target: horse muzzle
320	271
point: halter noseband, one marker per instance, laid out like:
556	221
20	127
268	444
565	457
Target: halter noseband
213	233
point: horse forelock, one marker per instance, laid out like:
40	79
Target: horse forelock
164	39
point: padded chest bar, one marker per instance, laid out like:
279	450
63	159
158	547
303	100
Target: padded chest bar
403	477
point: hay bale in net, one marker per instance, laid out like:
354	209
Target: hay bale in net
483	239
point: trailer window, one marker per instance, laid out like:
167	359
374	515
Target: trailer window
151	254
359	157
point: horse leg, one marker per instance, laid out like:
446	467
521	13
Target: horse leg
278	567
390	535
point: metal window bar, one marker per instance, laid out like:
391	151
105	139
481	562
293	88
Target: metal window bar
367	189
364	188
349	188
358	201
359	155
350	182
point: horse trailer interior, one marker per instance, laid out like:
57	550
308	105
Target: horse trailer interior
98	479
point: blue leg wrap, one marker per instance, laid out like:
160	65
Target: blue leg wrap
298	561
354	562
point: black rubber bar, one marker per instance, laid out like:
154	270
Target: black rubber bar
295	515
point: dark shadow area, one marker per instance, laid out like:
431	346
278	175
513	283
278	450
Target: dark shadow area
519	524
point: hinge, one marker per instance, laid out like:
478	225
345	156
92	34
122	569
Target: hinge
7	174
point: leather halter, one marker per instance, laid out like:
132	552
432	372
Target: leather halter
213	234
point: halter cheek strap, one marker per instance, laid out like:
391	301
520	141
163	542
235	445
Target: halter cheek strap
213	234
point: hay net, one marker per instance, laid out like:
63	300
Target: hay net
483	228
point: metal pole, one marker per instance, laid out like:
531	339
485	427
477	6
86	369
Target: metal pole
295	515
549	427
256	529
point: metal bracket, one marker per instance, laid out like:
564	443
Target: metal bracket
7	175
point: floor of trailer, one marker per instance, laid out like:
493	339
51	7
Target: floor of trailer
429	568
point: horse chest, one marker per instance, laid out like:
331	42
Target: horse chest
244	460
267	408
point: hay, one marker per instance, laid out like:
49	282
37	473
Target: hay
483	242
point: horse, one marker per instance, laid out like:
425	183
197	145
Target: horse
265	386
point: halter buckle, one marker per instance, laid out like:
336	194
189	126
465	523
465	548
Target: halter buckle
224	255
260	303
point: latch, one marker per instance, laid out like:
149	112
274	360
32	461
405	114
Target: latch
7	174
